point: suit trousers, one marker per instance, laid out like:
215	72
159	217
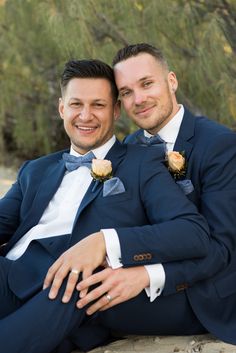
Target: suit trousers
37	325
166	315
41	325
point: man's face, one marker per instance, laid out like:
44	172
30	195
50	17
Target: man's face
147	91
89	112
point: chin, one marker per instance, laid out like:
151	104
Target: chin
149	127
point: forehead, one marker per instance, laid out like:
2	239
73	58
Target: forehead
137	68
88	89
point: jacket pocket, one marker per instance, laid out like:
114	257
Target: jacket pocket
121	197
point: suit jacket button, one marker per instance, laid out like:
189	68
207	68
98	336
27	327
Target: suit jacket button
140	257
135	258
149	256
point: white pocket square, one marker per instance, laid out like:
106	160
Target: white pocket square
113	186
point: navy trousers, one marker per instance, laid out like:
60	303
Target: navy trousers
170	315
38	325
41	325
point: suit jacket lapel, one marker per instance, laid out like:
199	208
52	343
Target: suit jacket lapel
49	185
47	188
115	155
186	133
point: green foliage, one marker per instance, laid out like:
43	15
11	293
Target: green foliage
28	70
38	37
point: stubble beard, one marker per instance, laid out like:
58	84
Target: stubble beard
163	116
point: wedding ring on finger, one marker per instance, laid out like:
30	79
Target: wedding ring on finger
75	271
109	297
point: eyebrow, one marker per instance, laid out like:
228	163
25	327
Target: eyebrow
93	100
139	80
145	78
74	98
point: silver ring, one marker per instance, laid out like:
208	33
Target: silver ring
109	297
76	272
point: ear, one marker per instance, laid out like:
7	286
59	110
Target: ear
61	107
117	108
172	82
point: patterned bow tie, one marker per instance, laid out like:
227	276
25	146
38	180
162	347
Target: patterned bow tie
150	141
73	162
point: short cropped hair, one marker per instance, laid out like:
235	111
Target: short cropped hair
140	48
88	69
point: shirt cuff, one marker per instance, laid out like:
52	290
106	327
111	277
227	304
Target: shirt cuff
157	281
112	248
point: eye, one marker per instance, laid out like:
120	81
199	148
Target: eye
75	104
125	93
98	105
147	83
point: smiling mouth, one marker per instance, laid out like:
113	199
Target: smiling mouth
144	111
86	129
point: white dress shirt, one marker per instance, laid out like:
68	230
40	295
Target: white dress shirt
59	216
156	272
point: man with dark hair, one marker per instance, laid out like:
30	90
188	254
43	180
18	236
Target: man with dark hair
64	216
136	49
147	91
88	69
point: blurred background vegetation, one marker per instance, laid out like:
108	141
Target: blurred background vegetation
38	36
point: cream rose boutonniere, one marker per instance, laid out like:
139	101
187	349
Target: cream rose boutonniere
176	164
101	169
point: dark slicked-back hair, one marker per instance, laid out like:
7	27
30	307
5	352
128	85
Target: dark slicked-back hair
88	69
140	48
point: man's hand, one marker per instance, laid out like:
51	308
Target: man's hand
84	257
117	286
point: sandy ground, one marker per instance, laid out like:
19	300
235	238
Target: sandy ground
7	177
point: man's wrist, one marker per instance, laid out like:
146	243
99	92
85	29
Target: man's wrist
113	250
157	280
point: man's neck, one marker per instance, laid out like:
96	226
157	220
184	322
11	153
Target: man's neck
170	131
99	152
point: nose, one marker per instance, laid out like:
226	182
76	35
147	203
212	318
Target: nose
139	97
85	114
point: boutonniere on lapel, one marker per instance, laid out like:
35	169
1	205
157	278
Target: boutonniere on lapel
101	172
176	164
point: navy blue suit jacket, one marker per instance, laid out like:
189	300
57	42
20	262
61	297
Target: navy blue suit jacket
152	217
210	283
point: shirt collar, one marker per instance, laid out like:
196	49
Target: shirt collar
99	152
170	131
